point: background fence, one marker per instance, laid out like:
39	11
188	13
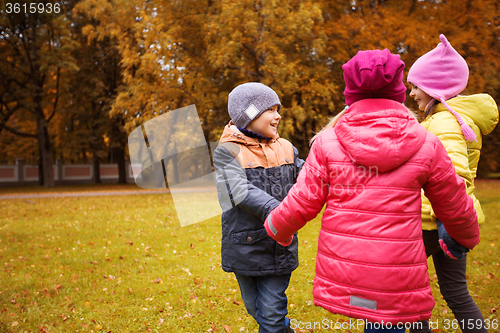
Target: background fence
25	174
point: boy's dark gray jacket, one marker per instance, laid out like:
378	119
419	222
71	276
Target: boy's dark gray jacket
253	176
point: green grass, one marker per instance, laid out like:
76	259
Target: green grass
124	264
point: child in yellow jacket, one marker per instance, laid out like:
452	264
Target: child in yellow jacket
437	78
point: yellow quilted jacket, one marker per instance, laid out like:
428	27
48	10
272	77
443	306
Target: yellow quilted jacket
481	113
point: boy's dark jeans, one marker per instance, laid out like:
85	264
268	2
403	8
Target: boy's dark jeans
265	300
452	280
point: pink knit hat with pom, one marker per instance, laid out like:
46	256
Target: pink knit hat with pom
374	74
442	73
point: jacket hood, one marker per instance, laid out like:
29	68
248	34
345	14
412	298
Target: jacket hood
380	133
480	108
231	133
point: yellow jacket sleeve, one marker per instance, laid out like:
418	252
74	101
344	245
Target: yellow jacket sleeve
445	126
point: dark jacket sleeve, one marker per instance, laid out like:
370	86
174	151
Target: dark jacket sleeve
298	163
234	189
447	194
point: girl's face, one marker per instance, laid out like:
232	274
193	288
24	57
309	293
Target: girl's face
420	96
267	123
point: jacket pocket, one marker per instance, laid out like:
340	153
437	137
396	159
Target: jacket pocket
249	237
252	252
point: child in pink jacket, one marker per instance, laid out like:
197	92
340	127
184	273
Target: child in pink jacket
369	169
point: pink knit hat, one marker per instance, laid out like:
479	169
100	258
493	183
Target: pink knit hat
374	74
442	73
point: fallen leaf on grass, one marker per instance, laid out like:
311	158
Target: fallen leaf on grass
74	279
158	280
227	328
130	290
46	292
491	276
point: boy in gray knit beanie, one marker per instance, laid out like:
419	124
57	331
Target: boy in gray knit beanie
248	101
254	169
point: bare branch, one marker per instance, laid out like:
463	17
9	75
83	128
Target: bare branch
412	7
191	51
19	104
54	108
16	132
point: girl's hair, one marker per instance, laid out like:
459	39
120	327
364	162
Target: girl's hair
333	121
330	124
429	108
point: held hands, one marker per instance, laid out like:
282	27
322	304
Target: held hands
273	233
450	247
288	242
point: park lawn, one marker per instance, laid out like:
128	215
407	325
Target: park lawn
124	264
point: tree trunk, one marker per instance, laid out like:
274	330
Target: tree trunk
119	155
83	151
45	152
175	164
174	158
119	140
40	165
96	171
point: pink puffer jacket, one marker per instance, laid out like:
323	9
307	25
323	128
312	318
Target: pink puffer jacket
369	169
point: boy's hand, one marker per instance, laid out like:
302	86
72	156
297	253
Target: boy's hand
450	247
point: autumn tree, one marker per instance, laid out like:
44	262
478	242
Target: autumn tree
80	76
87	127
34	60
99	26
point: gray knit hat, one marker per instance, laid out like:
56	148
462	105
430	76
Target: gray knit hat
248	100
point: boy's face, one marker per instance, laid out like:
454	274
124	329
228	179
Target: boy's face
267	123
